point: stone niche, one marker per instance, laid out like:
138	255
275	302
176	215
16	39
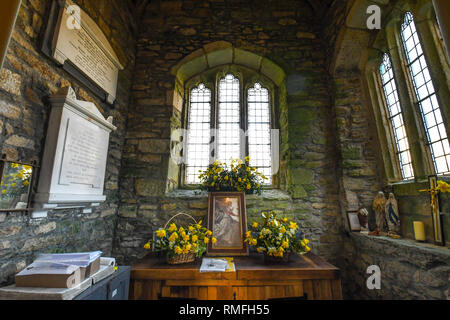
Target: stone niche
74	161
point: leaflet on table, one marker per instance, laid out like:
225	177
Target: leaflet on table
213	265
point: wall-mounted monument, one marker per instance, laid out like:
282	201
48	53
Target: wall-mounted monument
74	162
76	42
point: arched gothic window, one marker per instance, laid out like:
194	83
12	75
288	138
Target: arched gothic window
396	117
231	126
426	96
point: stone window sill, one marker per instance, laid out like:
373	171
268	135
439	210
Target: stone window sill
268	194
425	248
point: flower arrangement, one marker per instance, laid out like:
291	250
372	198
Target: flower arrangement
277	237
239	177
177	241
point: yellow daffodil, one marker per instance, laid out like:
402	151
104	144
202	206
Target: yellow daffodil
194	238
293	225
209	232
249	186
226	178
191	228
147	246
255	225
3	191
213	240
254	242
259	249
173	237
285	244
307	249
172	227
247	159
248	234
443	186
178	250
283	229
161	233
206	240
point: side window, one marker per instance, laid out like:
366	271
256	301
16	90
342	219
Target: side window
396	117
426	97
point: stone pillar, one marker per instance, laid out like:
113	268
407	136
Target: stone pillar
8	16
442	9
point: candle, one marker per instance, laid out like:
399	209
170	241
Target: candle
419	231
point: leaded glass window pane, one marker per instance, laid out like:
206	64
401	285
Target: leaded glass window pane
396	117
259	144
228	135
198	136
426	96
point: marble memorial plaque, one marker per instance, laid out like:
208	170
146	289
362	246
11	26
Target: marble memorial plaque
74	162
79	39
83	155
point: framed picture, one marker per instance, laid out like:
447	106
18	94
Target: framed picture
228	221
15	185
353	221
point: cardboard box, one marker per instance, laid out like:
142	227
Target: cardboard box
44	279
92	268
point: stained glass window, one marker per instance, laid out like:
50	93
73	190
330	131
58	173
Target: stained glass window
259	145
396	117
426	96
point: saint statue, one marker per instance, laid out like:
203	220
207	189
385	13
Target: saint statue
378	206
392	216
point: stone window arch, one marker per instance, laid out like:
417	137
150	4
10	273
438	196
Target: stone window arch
391	42
237	105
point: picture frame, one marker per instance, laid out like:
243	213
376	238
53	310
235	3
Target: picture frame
16	181
353	221
227	219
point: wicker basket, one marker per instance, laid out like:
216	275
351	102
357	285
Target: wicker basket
272	259
180	258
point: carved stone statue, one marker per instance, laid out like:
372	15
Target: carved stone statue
363	217
379	206
392	216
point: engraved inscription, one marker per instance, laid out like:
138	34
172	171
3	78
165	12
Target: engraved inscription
83	155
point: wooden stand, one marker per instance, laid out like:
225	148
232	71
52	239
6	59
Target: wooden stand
304	277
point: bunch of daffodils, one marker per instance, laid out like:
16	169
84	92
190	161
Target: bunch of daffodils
240	176
276	236
178	240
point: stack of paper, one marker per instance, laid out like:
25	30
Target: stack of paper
81	259
214	265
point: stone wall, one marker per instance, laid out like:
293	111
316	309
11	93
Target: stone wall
28	77
408	270
284	33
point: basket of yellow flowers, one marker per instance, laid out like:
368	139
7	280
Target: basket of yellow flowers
182	244
276	238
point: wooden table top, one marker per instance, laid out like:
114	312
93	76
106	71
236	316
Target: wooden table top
252	267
